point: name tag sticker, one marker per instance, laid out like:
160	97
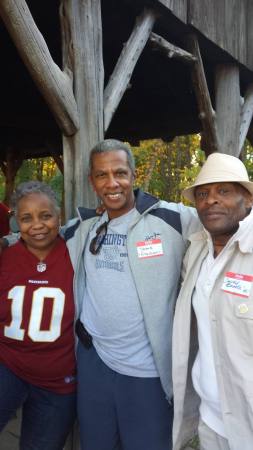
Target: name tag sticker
149	249
237	284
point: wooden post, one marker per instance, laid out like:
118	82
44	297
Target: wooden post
69	177
228	107
82	53
9	168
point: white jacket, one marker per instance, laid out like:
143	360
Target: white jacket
231	318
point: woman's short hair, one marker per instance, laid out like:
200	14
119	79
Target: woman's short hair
33	187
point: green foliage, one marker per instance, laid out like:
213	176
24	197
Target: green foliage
165	169
162	168
42	169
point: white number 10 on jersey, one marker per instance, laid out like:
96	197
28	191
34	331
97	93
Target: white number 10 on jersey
17	295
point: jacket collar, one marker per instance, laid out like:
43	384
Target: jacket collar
144	200
243	236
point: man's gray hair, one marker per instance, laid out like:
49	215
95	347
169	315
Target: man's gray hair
113	145
33	187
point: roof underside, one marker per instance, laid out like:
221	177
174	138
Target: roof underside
159	103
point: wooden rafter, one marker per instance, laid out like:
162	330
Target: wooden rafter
246	115
123	71
54	84
206	112
59	162
170	50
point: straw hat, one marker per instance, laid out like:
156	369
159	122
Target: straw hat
220	168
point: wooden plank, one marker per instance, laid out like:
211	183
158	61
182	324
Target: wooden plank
127	61
177	7
224	22
55	85
249	33
206	112
69	177
170	50
228	107
82	47
246	116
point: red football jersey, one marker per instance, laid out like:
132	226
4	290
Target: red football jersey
36	317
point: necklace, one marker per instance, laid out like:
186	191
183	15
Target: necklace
41	266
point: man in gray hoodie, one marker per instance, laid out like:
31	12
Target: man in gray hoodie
127	265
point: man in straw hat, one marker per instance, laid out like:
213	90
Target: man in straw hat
213	325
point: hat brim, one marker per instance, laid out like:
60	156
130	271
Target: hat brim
188	193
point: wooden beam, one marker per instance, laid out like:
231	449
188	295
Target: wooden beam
82	53
206	113
69	177
246	116
55	85
228	107
170	50
127	61
13	162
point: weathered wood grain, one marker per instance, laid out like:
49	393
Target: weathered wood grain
249	35
171	50
206	111
177	7
246	116
82	47
224	22
228	107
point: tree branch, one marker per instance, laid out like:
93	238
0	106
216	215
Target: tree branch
206	113
171	50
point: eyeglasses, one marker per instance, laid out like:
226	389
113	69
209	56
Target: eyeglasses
97	241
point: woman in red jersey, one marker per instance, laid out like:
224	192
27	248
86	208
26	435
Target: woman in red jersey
37	362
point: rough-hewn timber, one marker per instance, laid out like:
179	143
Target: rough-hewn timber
85	28
228	108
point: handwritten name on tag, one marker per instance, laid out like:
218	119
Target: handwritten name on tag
149	249
237	284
